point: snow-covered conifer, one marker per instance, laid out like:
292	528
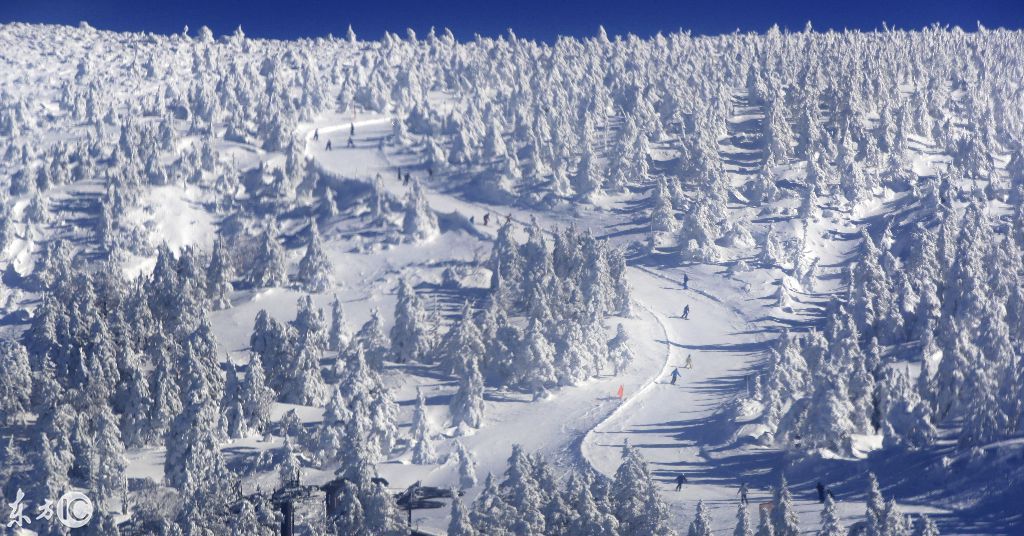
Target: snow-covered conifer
255	396
419	223
926	527
637	504
422	436
831	524
268	263
337	334
619	352
784	518
462	343
410	336
743	526
875	516
315	268
467	466
373	341
219	275
467	404
460	524
289	469
534	365
15	382
701	524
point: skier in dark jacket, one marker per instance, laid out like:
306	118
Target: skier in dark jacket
821	492
680	480
328	145
686	281
675	375
686	312
743	493
487	219
351	129
316	135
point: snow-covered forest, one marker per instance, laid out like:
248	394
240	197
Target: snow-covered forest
745	284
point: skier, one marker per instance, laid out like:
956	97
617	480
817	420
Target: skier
689	362
328	145
686	281
675	375
686	312
487	219
351	129
316	135
350	143
407	178
622	392
821	493
680	480
743	493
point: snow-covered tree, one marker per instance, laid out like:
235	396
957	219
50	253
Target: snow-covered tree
372	340
460	524
462	343
534	365
785	520
15	382
422	437
109	479
619	352
831	524
410	336
419	223
267	268
337	335
467	466
289	468
636	501
315	271
875	516
701	524
255	396
219	276
743	526
467	404
926	527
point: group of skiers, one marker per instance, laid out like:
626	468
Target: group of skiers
744	491
686	286
687	365
351	135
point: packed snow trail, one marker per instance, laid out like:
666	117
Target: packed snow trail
671	424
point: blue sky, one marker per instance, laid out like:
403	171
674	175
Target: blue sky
537	19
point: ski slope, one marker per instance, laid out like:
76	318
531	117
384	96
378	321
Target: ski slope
686	428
